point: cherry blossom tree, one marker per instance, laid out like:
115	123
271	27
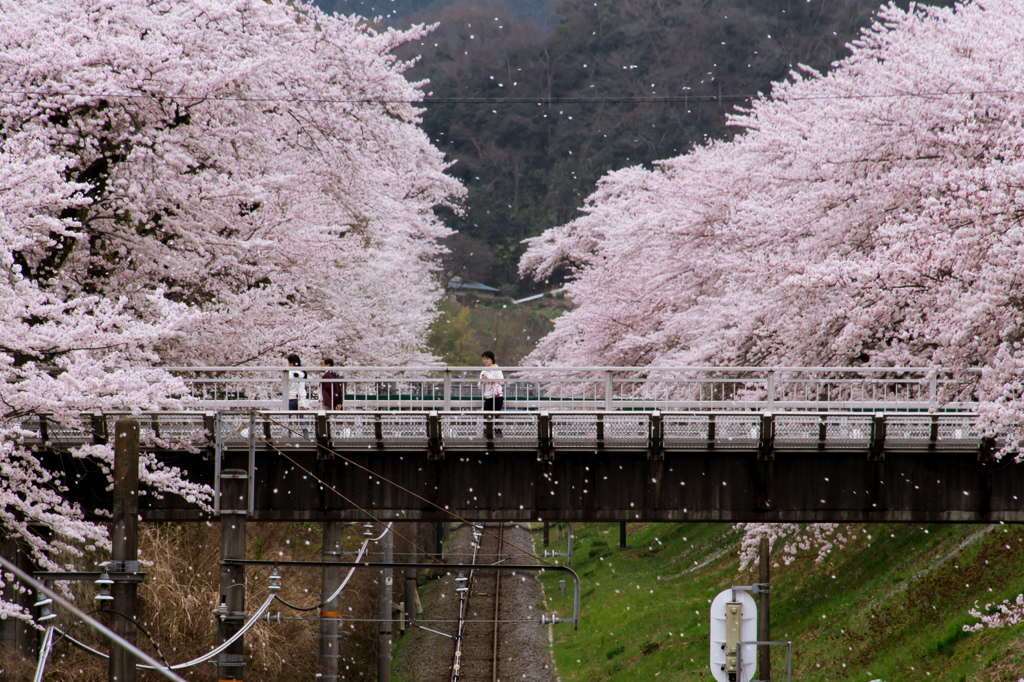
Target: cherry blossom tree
216	182
871	216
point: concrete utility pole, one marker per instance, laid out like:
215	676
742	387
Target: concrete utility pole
384	636
330	579
124	541
410	573
234	487
764	630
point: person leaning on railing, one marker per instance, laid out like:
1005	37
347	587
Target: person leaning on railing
490	383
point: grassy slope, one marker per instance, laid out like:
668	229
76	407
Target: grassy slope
889	606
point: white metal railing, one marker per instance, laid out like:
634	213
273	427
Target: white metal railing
352	430
909	389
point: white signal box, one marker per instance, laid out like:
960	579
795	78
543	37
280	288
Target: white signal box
733	620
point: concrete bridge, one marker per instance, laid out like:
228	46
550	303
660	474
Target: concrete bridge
600	444
611	444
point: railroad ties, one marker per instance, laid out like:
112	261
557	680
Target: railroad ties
477	642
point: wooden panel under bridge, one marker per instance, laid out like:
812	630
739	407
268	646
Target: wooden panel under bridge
642	465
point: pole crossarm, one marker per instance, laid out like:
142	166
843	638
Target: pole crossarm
89	620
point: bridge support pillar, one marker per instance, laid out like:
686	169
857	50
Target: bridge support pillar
233	511
387	556
330	613
124	541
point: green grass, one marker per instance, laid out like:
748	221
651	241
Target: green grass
890	606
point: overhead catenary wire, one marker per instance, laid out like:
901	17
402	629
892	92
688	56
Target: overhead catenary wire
135	623
196	661
332	489
344	582
43	589
384	480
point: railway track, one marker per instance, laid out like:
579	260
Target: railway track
477	642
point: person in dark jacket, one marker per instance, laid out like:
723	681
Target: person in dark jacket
332	391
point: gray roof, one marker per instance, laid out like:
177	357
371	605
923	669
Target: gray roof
472	286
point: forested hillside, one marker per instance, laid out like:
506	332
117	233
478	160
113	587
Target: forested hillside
614	84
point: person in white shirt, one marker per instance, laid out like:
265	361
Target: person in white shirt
296	383
490	383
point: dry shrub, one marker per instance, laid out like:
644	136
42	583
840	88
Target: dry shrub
177	602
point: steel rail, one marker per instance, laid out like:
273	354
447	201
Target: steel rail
464	593
497	602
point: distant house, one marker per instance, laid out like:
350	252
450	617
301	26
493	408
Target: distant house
459	285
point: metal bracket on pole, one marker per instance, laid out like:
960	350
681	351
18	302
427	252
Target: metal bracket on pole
789	655
568	554
756	588
89	620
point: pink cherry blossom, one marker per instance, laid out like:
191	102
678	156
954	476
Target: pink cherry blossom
870	216
213	182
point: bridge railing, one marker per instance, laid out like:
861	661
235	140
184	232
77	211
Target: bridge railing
518	430
591	388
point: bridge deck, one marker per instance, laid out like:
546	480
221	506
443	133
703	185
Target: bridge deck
724	466
741	444
542	431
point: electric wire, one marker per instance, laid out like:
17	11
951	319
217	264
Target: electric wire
329	487
344	582
385	480
196	661
96	625
418	620
136	624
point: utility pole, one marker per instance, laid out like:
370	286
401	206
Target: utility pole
124	541
764	631
330	614
384	636
410	573
233	510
